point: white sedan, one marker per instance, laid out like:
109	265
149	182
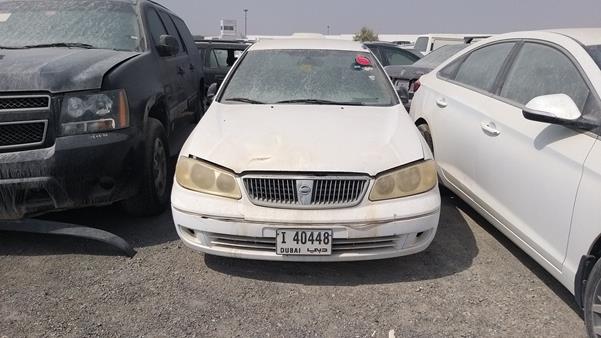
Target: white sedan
514	122
306	154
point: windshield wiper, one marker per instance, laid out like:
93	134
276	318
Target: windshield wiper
318	101
11	47
245	100
62	44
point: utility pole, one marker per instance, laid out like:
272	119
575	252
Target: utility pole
328	29
245	23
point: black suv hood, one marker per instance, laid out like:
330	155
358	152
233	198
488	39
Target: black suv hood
56	69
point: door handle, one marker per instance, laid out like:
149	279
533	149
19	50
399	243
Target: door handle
192	67
490	128
442	103
180	70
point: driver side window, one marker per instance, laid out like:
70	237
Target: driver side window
544	70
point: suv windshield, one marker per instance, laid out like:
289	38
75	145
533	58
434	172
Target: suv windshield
91	24
595	52
309	76
438	56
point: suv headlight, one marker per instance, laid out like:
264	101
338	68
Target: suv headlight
407	181
199	176
83	113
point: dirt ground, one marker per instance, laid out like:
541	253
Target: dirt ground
471	282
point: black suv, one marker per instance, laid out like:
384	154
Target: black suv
218	56
95	95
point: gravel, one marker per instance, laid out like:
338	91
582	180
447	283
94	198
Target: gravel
471	282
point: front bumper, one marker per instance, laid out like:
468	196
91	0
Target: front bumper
77	171
369	231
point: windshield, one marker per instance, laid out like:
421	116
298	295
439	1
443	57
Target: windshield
99	24
310	76
595	52
438	56
421	44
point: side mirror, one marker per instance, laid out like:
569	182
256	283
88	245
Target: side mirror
168	45
211	92
557	109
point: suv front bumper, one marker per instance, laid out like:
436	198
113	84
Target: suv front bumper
77	171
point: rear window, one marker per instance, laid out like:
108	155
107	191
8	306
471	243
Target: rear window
439	56
277	76
595	52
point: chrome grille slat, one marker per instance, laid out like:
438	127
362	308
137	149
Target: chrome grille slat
326	191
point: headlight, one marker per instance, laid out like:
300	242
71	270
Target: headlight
94	112
412	180
202	177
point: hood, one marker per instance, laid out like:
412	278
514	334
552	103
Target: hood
56	69
305	138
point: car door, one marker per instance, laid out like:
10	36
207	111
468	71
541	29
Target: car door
455	105
167	67
180	64
192	64
529	171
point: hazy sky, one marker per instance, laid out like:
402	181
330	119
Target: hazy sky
283	17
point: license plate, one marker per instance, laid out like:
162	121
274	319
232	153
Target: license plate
299	242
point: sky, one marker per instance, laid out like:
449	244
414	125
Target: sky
284	17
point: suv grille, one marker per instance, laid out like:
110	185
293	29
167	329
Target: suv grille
24	102
306	193
20	134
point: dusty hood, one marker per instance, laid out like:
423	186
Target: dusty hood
56	69
303	138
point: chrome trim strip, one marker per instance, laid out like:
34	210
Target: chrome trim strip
25	97
23	145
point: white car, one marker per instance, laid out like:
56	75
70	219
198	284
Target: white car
306	154
514	122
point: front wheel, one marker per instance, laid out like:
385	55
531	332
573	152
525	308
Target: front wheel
592	302
153	196
424	129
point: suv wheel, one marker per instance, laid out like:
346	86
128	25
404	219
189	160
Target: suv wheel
153	197
424	129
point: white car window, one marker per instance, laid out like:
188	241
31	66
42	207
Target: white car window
273	76
543	70
482	66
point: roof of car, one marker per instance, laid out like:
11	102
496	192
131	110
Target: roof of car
586	36
301	43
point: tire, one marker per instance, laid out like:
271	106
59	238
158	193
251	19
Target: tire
153	196
424	129
200	107
592	302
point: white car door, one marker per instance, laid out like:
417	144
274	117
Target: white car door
529	171
454	107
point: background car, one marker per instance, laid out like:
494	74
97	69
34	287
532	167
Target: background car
392	54
405	78
514	122
89	116
425	44
218	56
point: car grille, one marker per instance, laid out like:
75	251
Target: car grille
306	193
22	134
267	244
24	102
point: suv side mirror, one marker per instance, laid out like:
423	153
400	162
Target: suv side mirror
168	45
211	92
